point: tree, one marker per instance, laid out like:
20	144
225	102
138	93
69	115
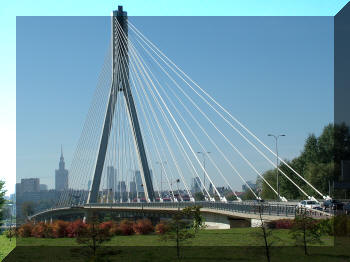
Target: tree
320	175
199	196
305	230
92	235
265	233
180	230
231	197
2	199
248	195
195	213
6	212
319	163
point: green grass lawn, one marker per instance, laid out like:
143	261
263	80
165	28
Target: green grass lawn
230	237
239	244
6	246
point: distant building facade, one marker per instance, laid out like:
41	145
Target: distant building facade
61	175
132	187
196	185
138	181
43	187
28	185
251	184
111	178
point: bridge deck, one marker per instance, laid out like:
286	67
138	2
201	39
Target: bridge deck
247	210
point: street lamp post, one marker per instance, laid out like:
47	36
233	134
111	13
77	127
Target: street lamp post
277	168
161	163
204	171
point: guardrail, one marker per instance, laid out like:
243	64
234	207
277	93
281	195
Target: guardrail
272	209
284	210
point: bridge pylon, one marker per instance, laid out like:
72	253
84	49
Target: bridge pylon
120	84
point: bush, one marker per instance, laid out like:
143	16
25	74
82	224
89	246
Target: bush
60	228
115	230
106	227
143	227
11	233
281	224
284	224
162	228
325	227
42	230
126	227
75	227
25	230
341	225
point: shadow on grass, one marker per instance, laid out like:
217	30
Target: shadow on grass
203	254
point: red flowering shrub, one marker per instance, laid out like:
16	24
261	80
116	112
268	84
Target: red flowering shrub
42	230
283	224
25	230
143	227
115	230
162	227
106	226
60	228
126	227
75	227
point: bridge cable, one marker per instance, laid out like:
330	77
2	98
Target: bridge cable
222	108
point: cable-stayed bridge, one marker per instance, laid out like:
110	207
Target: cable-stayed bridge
140	143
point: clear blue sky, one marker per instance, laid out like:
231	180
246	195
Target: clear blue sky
305	58
273	73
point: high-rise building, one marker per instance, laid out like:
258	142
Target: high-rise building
43	187
18	190
29	185
111	176
138	181
61	175
211	189
132	187
196	185
121	187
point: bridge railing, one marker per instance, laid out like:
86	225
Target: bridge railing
239	207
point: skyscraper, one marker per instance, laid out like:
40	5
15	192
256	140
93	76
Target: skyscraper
111	178
30	185
138	181
61	175
132	187
196	185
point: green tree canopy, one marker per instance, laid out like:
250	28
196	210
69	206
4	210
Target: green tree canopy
2	199
318	163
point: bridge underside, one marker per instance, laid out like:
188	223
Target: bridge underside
214	218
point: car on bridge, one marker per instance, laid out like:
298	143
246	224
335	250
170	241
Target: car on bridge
186	198
332	204
310	204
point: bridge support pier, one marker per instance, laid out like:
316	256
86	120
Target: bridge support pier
213	221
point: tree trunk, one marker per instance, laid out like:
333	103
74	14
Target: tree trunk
265	237
304	231
177	242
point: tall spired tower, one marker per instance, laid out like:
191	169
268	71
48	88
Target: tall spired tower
61	175
120	88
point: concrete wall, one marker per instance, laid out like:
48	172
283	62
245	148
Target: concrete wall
213	221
